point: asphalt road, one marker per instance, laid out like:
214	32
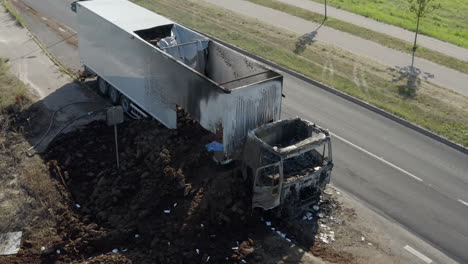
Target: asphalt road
408	177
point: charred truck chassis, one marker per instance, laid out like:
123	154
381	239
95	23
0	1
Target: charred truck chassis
288	162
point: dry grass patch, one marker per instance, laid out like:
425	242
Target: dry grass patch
12	90
27	192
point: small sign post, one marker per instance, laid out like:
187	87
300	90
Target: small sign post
114	117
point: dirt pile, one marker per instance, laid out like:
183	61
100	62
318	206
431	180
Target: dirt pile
168	202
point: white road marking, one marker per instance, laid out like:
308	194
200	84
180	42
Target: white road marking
463	202
379	158
418	254
43	18
69	28
61	29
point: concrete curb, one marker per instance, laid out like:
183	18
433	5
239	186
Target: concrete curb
348	97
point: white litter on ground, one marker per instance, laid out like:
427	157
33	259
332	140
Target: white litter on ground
10	242
58	251
115	250
308	216
363	238
268	223
137	235
283	235
77	205
208	258
324	238
198	251
124	250
327	238
235	248
167	211
175	204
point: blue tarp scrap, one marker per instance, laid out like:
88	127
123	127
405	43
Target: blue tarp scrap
214	146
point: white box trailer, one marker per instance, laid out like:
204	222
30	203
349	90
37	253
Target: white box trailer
158	64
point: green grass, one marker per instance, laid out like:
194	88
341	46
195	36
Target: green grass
437	109
364	33
13	12
12	90
449	23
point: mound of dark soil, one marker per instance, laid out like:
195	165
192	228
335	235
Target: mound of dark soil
168	202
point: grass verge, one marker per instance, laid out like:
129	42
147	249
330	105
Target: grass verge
13	12
382	39
447	23
26	190
439	110
12	90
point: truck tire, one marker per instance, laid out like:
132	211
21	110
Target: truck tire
125	103
114	95
103	86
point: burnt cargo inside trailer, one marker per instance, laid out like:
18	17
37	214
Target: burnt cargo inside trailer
159	64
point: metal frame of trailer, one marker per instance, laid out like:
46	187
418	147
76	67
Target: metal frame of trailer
159	65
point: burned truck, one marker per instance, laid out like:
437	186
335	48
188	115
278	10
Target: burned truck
151	65
289	162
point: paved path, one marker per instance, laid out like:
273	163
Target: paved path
394	31
441	75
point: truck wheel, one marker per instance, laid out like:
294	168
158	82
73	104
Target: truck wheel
114	95
103	86
125	103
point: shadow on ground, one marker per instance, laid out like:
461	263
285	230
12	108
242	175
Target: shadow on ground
411	77
61	111
306	40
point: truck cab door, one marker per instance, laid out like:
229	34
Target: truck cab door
267	186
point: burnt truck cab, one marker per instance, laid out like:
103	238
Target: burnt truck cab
288	163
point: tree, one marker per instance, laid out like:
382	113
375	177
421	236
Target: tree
420	8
